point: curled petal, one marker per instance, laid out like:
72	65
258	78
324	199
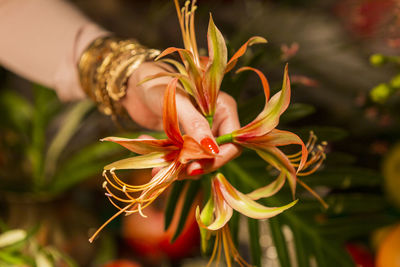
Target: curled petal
188	60
143	146
268	119
170	117
270	189
253	40
177	65
263	79
159	75
222	211
171	50
192	150
246	205
279	160
280	138
184	79
150	160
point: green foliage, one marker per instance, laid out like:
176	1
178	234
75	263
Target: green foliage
176	190
21	248
383	91
190	196
254	236
29	138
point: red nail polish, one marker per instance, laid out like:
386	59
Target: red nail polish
197	172
209	144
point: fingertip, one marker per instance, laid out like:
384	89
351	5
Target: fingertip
209	144
194	169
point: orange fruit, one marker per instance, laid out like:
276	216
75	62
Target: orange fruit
391	173
389	250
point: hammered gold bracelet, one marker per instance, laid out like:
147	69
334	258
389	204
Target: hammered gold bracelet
104	69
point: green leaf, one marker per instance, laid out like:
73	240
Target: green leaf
11	237
82	165
279	241
352	203
344	177
71	123
19	111
12	259
297	111
172	202
60	256
42	260
325	133
255	247
45	107
302	246
190	196
234	225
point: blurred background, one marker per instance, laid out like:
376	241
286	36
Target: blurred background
344	67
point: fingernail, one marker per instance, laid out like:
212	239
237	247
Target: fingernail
209	144
196	172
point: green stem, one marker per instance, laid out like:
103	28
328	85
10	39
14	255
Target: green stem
210	119
223	139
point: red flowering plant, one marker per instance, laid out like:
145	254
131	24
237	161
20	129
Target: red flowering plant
201	77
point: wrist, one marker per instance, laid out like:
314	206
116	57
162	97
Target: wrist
105	68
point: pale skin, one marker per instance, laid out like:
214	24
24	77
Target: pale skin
144	104
52	59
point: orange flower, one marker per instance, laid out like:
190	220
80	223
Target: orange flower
170	154
201	76
218	211
262	136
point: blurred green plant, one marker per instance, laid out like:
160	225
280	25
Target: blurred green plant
383	91
19	247
35	139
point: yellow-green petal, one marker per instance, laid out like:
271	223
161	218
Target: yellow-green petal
245	205
269	189
151	160
215	69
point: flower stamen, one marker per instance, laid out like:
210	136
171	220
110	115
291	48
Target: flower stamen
223	239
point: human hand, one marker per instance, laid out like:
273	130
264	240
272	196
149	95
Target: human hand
144	104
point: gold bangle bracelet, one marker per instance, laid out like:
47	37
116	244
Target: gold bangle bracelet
105	67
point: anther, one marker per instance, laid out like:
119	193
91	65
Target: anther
140	211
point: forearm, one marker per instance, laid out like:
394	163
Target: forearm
42	41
